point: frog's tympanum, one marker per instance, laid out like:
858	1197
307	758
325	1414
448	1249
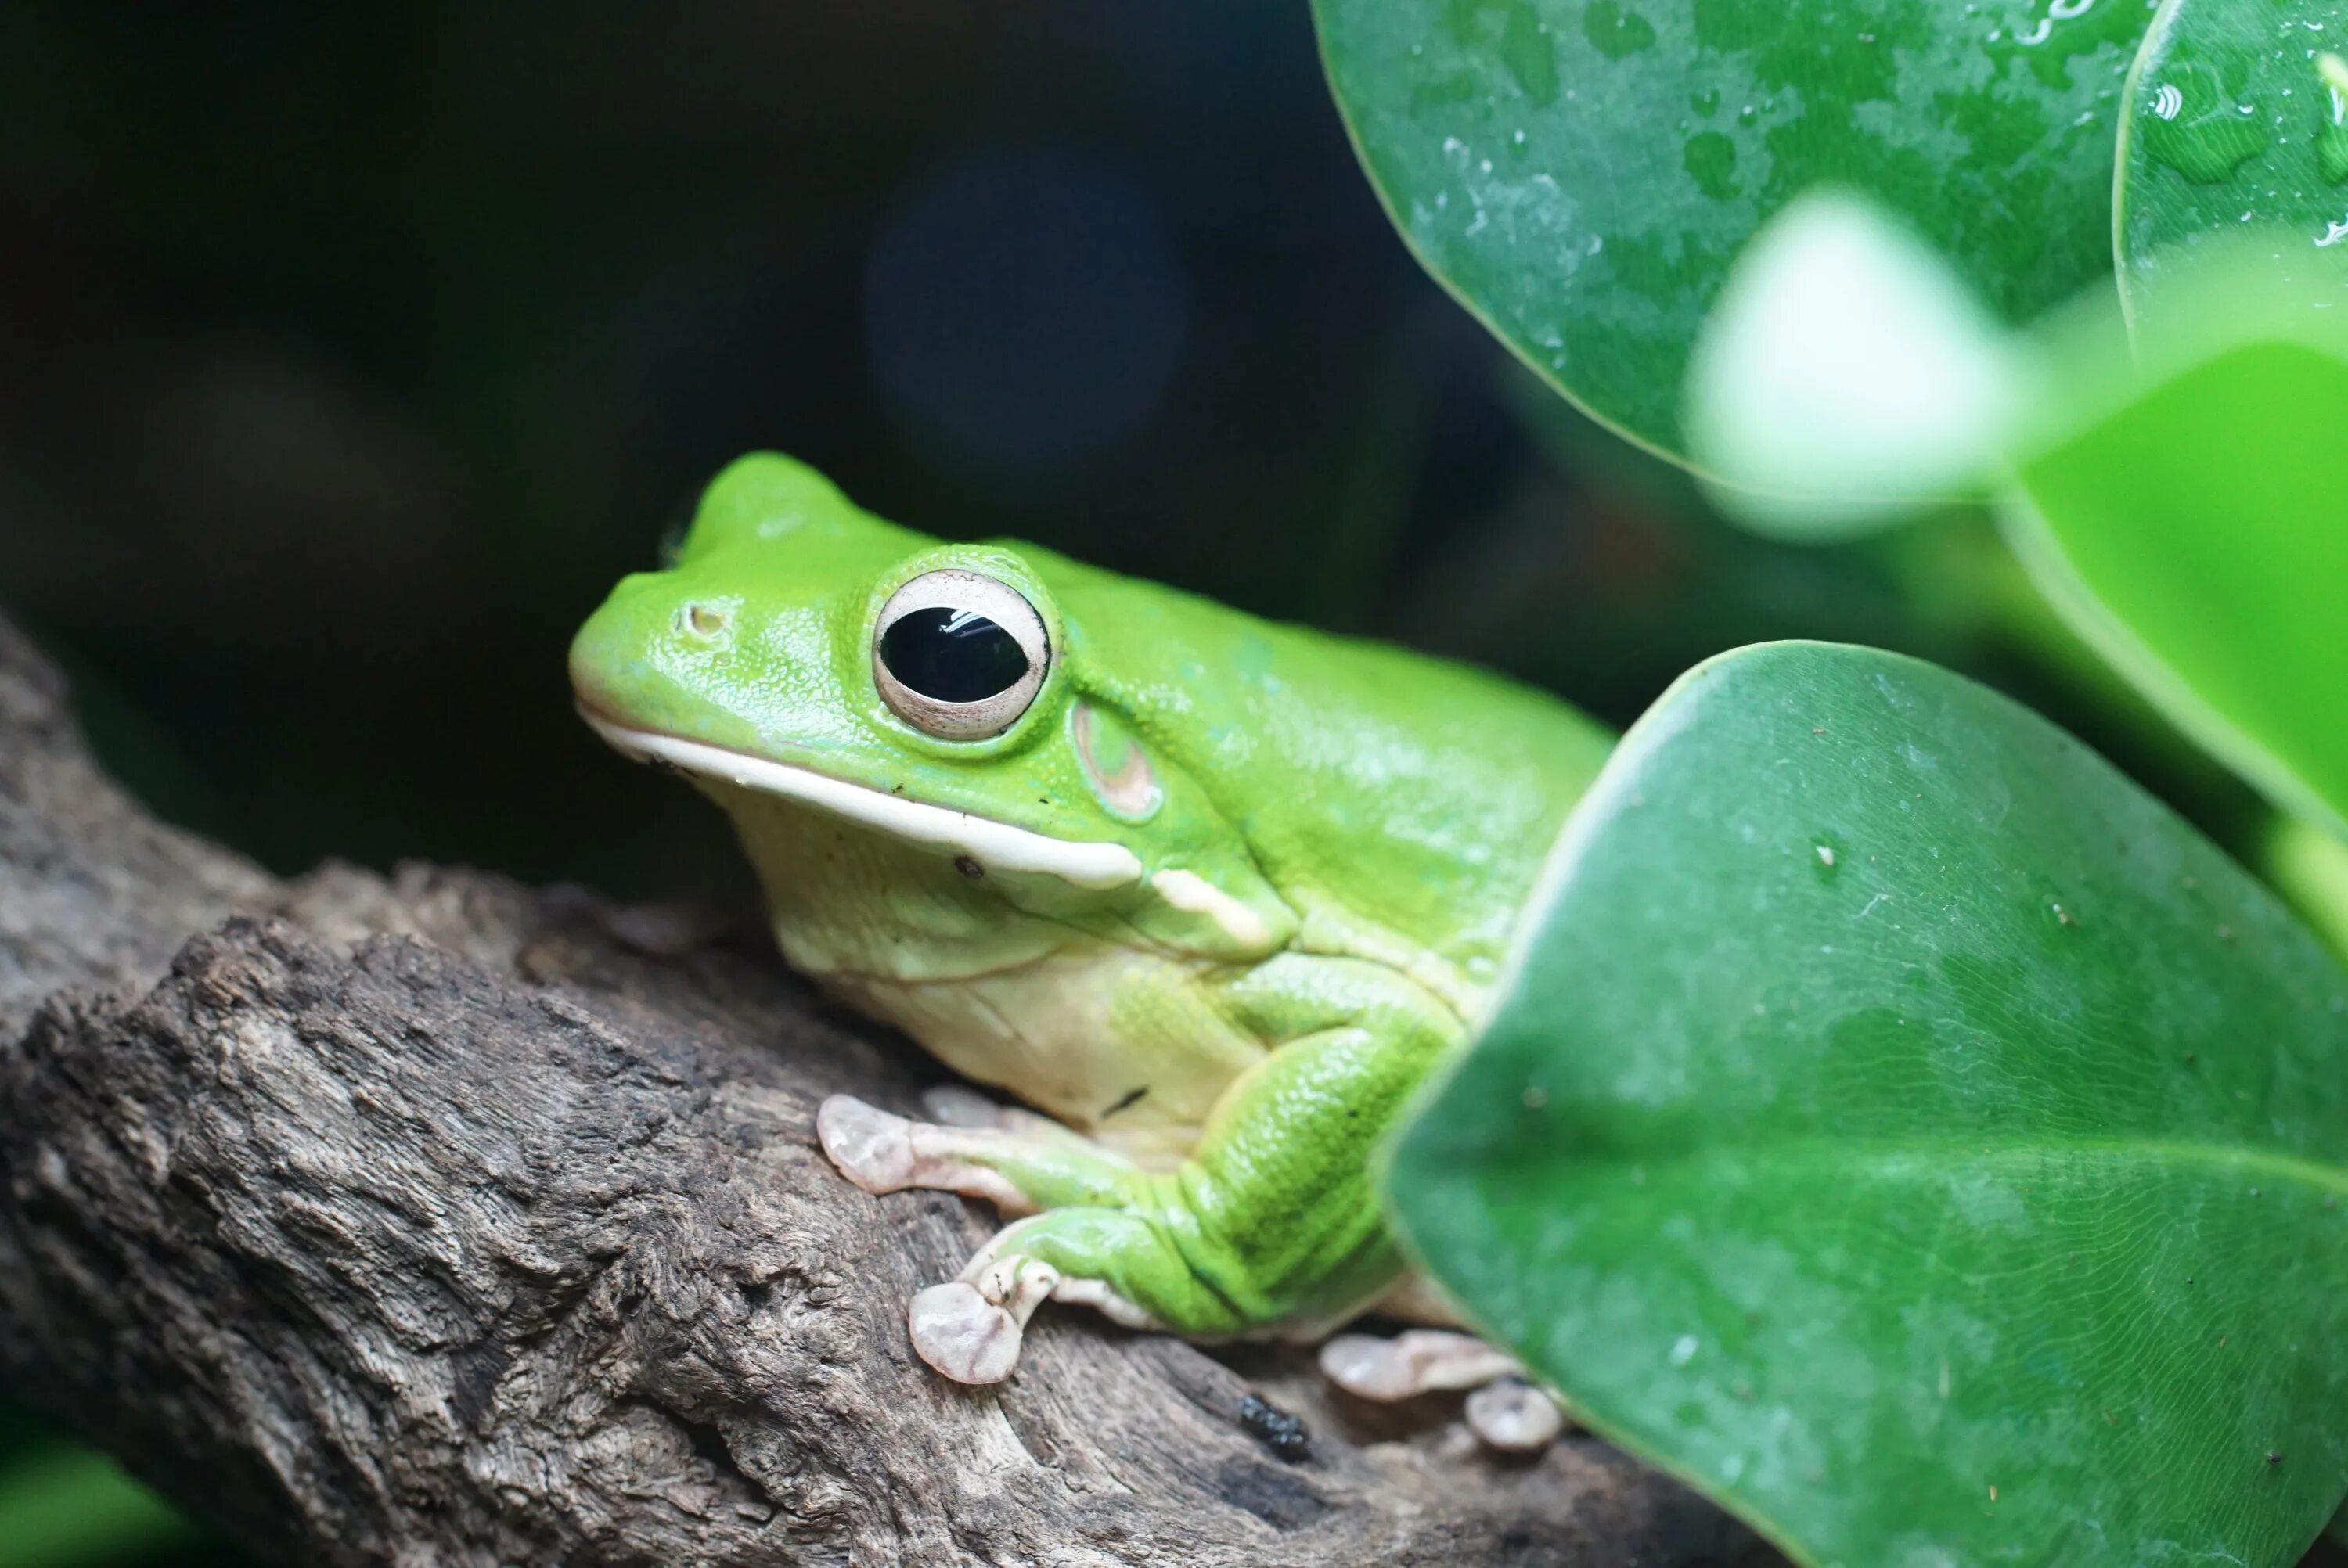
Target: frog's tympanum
1210	895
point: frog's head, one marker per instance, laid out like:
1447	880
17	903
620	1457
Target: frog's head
796	647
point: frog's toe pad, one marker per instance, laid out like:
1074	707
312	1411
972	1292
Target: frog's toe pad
872	1147
962	1334
1513	1416
1421	1361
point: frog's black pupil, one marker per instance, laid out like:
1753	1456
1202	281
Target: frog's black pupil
952	655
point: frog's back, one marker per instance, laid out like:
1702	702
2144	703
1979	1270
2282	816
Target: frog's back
1402	804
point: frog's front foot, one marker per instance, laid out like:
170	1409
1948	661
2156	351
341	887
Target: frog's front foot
1503	1409
884	1152
969	1330
869	1146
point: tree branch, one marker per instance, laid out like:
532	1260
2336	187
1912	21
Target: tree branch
435	1220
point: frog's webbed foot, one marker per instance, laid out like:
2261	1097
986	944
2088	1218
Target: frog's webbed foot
1420	1361
1504	1409
970	1328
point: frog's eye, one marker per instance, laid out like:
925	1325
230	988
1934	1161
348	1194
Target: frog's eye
959	655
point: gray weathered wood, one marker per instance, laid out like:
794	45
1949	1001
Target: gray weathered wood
432	1220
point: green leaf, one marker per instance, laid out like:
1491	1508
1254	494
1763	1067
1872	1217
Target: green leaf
66	1507
1581	173
2194	534
1904	1129
2237	114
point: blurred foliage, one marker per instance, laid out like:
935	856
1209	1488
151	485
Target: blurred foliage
61	1506
2194	534
2309	867
350	352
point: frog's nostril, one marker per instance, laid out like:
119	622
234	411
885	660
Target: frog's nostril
702	619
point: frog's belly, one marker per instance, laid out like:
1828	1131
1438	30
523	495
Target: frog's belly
1129	1046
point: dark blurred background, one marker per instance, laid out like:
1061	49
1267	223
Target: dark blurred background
349	353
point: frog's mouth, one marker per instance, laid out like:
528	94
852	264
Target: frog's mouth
996	846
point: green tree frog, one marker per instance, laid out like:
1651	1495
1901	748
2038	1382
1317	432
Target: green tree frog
1210	895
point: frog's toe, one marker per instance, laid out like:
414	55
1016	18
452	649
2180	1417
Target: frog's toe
969	1330
872	1147
1421	1362
1512	1415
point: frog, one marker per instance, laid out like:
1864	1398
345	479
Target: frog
1207	897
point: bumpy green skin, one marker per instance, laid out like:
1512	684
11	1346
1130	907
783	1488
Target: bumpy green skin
1366	824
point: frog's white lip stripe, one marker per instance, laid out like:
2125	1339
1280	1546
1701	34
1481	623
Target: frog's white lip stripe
996	845
1194	894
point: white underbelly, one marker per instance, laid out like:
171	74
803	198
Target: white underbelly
1127	1046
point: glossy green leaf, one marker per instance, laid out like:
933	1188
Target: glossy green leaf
1581	172
2237	115
2197	535
1906	1130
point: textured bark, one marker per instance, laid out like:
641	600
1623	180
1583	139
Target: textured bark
437	1221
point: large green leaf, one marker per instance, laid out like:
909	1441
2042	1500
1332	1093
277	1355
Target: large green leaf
1581	172
2198	534
2235	115
1904	1129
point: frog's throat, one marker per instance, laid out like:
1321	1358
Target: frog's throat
995	845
